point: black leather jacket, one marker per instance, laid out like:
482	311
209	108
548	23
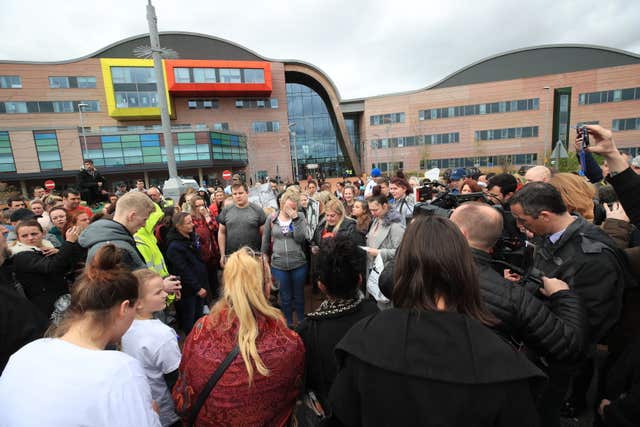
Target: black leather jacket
557	329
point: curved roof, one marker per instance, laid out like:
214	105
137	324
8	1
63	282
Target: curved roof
529	62
538	61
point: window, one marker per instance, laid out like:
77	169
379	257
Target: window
478	109
480	161
22	107
228	146
261	127
254	75
615	95
410	141
15	107
10	82
7	163
72	82
133	75
387	167
626	124
221	126
47	149
230	75
257	103
181	75
385	119
204	75
200	104
508	133
134	87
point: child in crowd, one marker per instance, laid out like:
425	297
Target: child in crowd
154	344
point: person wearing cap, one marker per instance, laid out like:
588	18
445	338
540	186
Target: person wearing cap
368	189
91	184
455	180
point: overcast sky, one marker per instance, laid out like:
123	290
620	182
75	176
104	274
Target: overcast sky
367	47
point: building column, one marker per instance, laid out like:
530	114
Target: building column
23	188
200	177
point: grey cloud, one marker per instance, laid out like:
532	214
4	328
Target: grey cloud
366	47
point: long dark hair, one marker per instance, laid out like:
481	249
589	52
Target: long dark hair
434	262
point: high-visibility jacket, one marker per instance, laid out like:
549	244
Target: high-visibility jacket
147	244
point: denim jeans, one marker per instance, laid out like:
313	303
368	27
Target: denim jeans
189	309
291	288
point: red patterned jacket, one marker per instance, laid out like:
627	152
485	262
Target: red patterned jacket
269	401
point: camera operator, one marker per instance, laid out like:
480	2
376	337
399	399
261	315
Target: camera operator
500	189
580	254
620	407
557	330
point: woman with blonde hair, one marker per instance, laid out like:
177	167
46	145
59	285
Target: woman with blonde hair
576	193
261	386
283	247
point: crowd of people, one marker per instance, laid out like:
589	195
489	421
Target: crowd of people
502	311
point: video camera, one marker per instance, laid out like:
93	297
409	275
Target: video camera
509	251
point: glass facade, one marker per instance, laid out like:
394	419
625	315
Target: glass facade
47	149
315	136
7	163
140	149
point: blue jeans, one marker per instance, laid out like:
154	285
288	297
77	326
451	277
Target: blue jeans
291	288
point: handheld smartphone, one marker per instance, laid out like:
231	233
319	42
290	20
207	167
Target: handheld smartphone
585	136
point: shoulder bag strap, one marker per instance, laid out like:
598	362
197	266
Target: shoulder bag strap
215	377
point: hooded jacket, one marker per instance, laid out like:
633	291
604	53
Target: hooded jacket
147	243
105	231
43	277
409	368
286	250
386	234
183	256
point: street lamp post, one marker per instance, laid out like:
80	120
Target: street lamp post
295	149
173	187
85	156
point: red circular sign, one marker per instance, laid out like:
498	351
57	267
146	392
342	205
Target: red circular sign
225	174
49	184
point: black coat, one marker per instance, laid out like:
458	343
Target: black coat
183	259
347	228
594	268
20	322
623	389
409	368
88	186
43	278
321	331
627	186
558	329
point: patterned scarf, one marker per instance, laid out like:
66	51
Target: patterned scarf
337	307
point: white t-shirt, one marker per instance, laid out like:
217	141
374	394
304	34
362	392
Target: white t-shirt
155	346
51	382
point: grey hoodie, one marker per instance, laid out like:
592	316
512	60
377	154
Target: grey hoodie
286	250
105	231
